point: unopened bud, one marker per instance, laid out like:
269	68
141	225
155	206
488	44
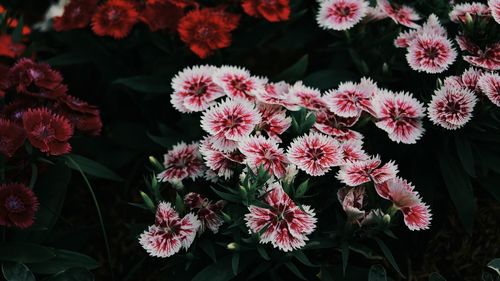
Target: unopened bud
387	218
233	246
177	184
468	19
156	164
385	68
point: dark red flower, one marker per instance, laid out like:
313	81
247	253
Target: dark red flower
36	79
83	116
47	131
209	214
4	79
14	111
9	48
114	18
207	30
77	14
161	15
271	10
182	3
11	137
18	205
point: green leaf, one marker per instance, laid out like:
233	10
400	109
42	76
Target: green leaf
459	189
327	79
295	270
345	256
235	261
263	253
259	269
295	71
217	271
377	273
465	154
495	265
146	83
226	196
325	275
92	167
207	246
64	260
69	58
436	277
388	255
302	189
148	201
16	272
300	256
25	252
72	274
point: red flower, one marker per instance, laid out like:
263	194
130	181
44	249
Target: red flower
359	172
170	233
9	48
47	131
114	18
161	15
207	30
181	162
11	137
271	10
18	205
261	151
84	117
209	214
4	79
284	224
36	79
77	14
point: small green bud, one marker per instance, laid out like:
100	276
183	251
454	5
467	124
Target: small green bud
233	246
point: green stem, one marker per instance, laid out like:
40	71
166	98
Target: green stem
34	175
99	214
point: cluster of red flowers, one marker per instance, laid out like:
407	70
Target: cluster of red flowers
37	107
8	47
203	29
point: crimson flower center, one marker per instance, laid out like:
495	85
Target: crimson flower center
239	85
43	132
432	52
204	32
199	88
14	205
315	153
113	14
232	121
343	10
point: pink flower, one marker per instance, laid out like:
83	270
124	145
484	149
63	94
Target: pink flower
237	82
285	225
352	201
400	115
230	120
261	151
330	124
182	161
403	14
416	214
489	58
209	214
306	97
451	107
194	89
350	99
358	172
431	54
351	151
431	27
276	94
221	163
459	12
341	14
169	233
468	79
314	153
495	9
374	14
489	84
274	121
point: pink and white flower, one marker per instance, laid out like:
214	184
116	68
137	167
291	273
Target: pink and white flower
374	14
352	200
230	120
416	214
306	97
358	172
170	233
402	14
451	107
431	54
489	58
459	12
276	94
182	161
261	151
495	9
274	120
469	79
314	153
221	163
330	124
194	89
431	27
341	14
350	99
400	115
489	84
285	225
209	214
237	82
351	151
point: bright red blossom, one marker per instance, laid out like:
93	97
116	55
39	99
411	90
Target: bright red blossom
11	137
114	18
77	14
18	205
271	10
285	225
161	15
47	131
9	48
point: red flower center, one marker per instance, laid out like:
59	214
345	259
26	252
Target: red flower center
43	132
239	85
232	121
113	14
35	74
14	205
204	32
432	52
316	153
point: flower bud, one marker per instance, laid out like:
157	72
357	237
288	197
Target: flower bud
387	218
155	163
233	246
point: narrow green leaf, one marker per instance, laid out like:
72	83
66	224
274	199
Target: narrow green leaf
262	252
217	271
495	265
377	273
259	270
436	277
235	261
13	271
92	167
465	154
302	189
295	270
149	203
295	71
300	256
226	196
146	83
64	260
72	274
345	256
388	254
207	246
24	252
